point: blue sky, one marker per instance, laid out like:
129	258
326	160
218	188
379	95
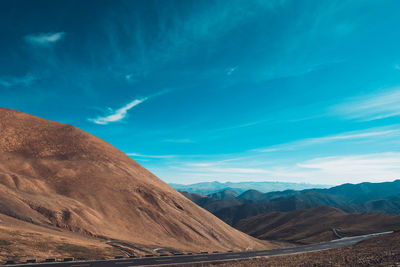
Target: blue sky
298	91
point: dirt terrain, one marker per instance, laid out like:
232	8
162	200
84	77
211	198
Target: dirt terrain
56	175
20	241
315	225
381	251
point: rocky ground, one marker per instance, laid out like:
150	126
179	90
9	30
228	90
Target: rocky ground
379	251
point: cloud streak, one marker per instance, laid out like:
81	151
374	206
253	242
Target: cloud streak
327	139
121	113
375	167
371	107
44	39
16	81
118	114
358	168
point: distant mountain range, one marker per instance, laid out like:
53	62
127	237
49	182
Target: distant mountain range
308	216
207	188
364	197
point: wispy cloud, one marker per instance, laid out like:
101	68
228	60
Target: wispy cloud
179	35
239	170
326	139
356	167
397	66
121	113
229	71
204	171
200	164
44	39
283	71
340	169
118	114
371	107
15	81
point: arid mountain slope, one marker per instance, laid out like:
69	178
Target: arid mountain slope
55	174
315	225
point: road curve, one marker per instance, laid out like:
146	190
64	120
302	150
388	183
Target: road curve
202	258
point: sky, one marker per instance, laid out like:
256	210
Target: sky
238	90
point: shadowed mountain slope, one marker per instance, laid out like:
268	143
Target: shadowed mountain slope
53	174
224	194
315	225
364	197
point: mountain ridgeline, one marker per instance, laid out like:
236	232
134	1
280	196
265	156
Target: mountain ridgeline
57	176
363	197
207	188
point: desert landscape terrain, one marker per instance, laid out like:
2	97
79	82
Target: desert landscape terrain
54	175
379	251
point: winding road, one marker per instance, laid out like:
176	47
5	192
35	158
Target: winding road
204	258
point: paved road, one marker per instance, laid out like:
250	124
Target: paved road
198	258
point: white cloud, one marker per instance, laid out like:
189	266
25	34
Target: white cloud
206	171
200	164
347	136
371	107
319	168
356	168
44	39
118	114
322	140
121	113
15	81
238	170
397	66
333	170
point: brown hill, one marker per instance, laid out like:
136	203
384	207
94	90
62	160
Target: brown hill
53	174
315	225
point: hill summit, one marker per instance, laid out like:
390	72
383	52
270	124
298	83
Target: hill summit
56	175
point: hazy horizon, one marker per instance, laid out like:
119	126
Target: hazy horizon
200	91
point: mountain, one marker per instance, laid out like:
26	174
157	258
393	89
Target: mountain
224	194
389	205
212	204
207	188
251	195
346	194
56	175
358	193
363	197
315	225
